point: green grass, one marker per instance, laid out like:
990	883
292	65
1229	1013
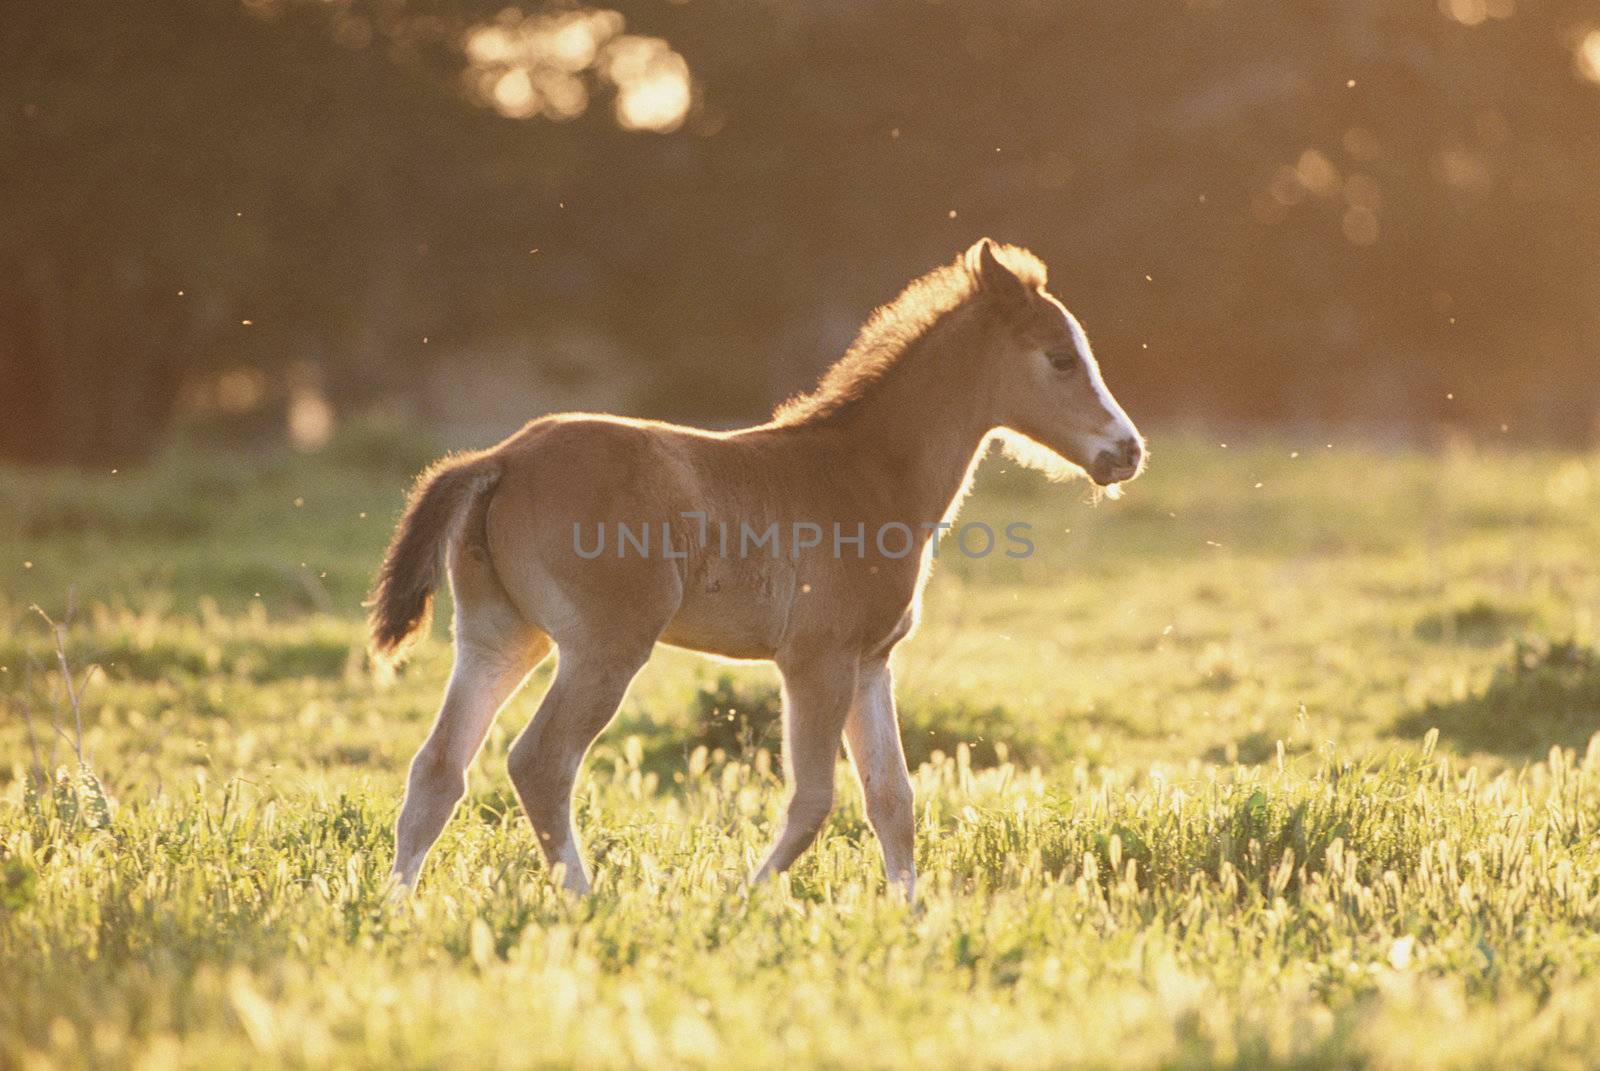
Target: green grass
1181	802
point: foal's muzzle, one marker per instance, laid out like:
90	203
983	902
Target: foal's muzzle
1119	463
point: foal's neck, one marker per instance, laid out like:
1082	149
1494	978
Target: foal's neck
925	425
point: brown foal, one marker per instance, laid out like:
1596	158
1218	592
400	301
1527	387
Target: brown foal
805	541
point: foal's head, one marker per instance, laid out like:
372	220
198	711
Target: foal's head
1047	385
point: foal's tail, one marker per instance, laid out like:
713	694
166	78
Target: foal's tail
401	603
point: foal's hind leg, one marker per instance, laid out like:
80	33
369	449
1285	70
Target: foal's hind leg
591	679
817	693
495	650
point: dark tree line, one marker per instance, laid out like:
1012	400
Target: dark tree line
1366	211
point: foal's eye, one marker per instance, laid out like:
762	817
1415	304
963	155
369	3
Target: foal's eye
1062	360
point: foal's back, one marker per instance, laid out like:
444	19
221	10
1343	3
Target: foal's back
698	566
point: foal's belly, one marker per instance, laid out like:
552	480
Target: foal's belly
737	608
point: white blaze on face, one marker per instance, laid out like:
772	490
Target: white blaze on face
1117	427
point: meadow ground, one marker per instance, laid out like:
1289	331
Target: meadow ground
1179	799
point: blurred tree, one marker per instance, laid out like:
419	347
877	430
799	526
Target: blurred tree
1270	212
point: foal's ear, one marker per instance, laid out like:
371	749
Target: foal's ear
993	276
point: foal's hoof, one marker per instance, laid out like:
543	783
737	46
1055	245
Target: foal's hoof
396	890
571	881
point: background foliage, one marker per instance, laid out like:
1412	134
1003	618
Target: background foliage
1372	212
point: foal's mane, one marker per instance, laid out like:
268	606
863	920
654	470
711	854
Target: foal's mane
894	330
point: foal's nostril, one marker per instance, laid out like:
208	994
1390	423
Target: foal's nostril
1129	451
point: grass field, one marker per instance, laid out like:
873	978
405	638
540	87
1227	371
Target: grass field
1181	798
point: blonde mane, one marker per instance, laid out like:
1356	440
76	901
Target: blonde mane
893	331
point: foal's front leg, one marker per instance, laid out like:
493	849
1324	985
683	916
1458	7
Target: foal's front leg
873	732
817	693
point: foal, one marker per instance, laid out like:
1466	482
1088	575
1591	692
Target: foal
748	560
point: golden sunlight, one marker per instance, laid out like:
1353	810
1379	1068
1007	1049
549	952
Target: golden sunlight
536	66
1476	12
652	83
1001	534
310	418
514	95
1588	56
